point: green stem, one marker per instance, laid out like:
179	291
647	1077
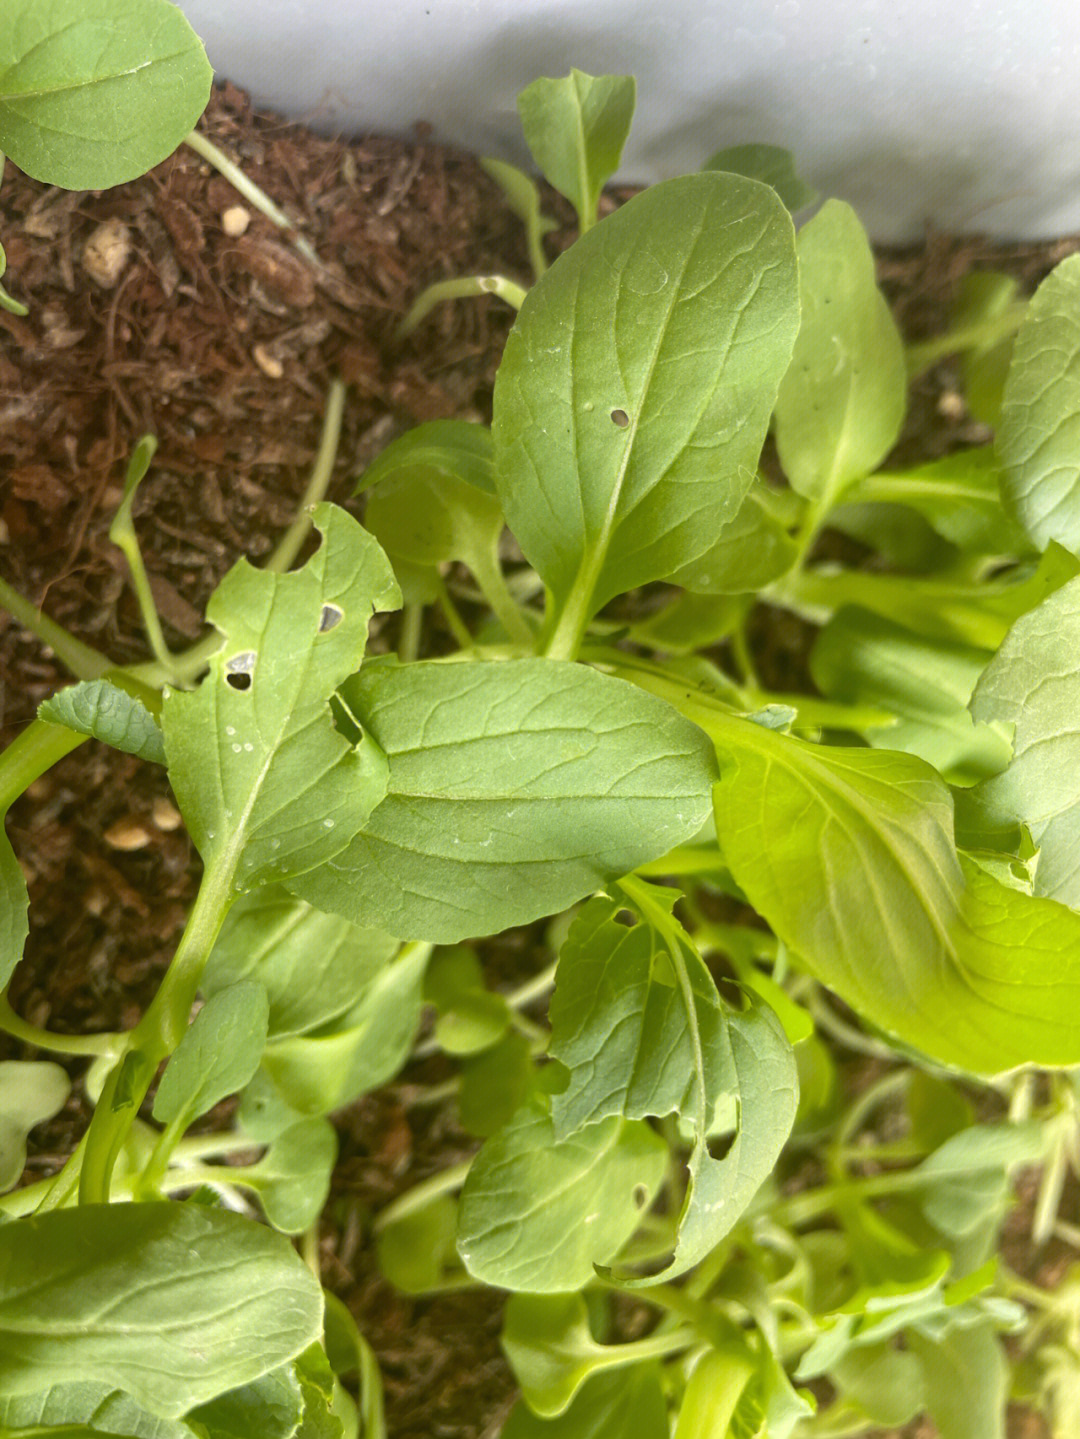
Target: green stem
84	662
981	334
802	1208
30	754
414	1199
459	289
123	536
288	547
534	988
251	192
489	576
80	1045
458	628
571	626
412	626
154	1038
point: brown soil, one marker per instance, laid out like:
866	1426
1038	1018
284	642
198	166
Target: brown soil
223	348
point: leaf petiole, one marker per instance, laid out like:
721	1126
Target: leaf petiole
459	289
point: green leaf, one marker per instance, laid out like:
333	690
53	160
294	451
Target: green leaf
314	966
1032	688
14	908
637	1041
431	494
270	1407
515	788
864	659
450	449
218	1054
1038	438
539	1212
977	614
849	855
637	383
842	402
109	714
292	1179
966	1380
936	1109
752	550
523	196
96	92
31	1091
366	1046
199	1301
638	1022
495	1083
959	496
576	128
965	1185
267	784
620	1402
417	1252
985	296
771	165
886	1383
84	1411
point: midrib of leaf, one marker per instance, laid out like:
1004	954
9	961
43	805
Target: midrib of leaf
586	219
568	633
659	920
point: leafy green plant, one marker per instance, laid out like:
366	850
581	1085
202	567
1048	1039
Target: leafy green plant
719	862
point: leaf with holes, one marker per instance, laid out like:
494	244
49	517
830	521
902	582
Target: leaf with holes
539	1212
268	784
637	384
638	1022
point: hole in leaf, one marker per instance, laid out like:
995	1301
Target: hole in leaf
620	418
238	670
641	1195
718	1145
331	615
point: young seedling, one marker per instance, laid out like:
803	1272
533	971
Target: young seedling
717	863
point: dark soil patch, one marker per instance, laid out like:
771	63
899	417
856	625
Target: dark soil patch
224	348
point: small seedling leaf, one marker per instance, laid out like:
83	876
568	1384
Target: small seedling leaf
217	1056
31	1091
770	164
107	713
576	128
842	402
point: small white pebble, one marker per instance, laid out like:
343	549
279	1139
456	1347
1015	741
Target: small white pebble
269	364
166	816
127	834
235	220
106	253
